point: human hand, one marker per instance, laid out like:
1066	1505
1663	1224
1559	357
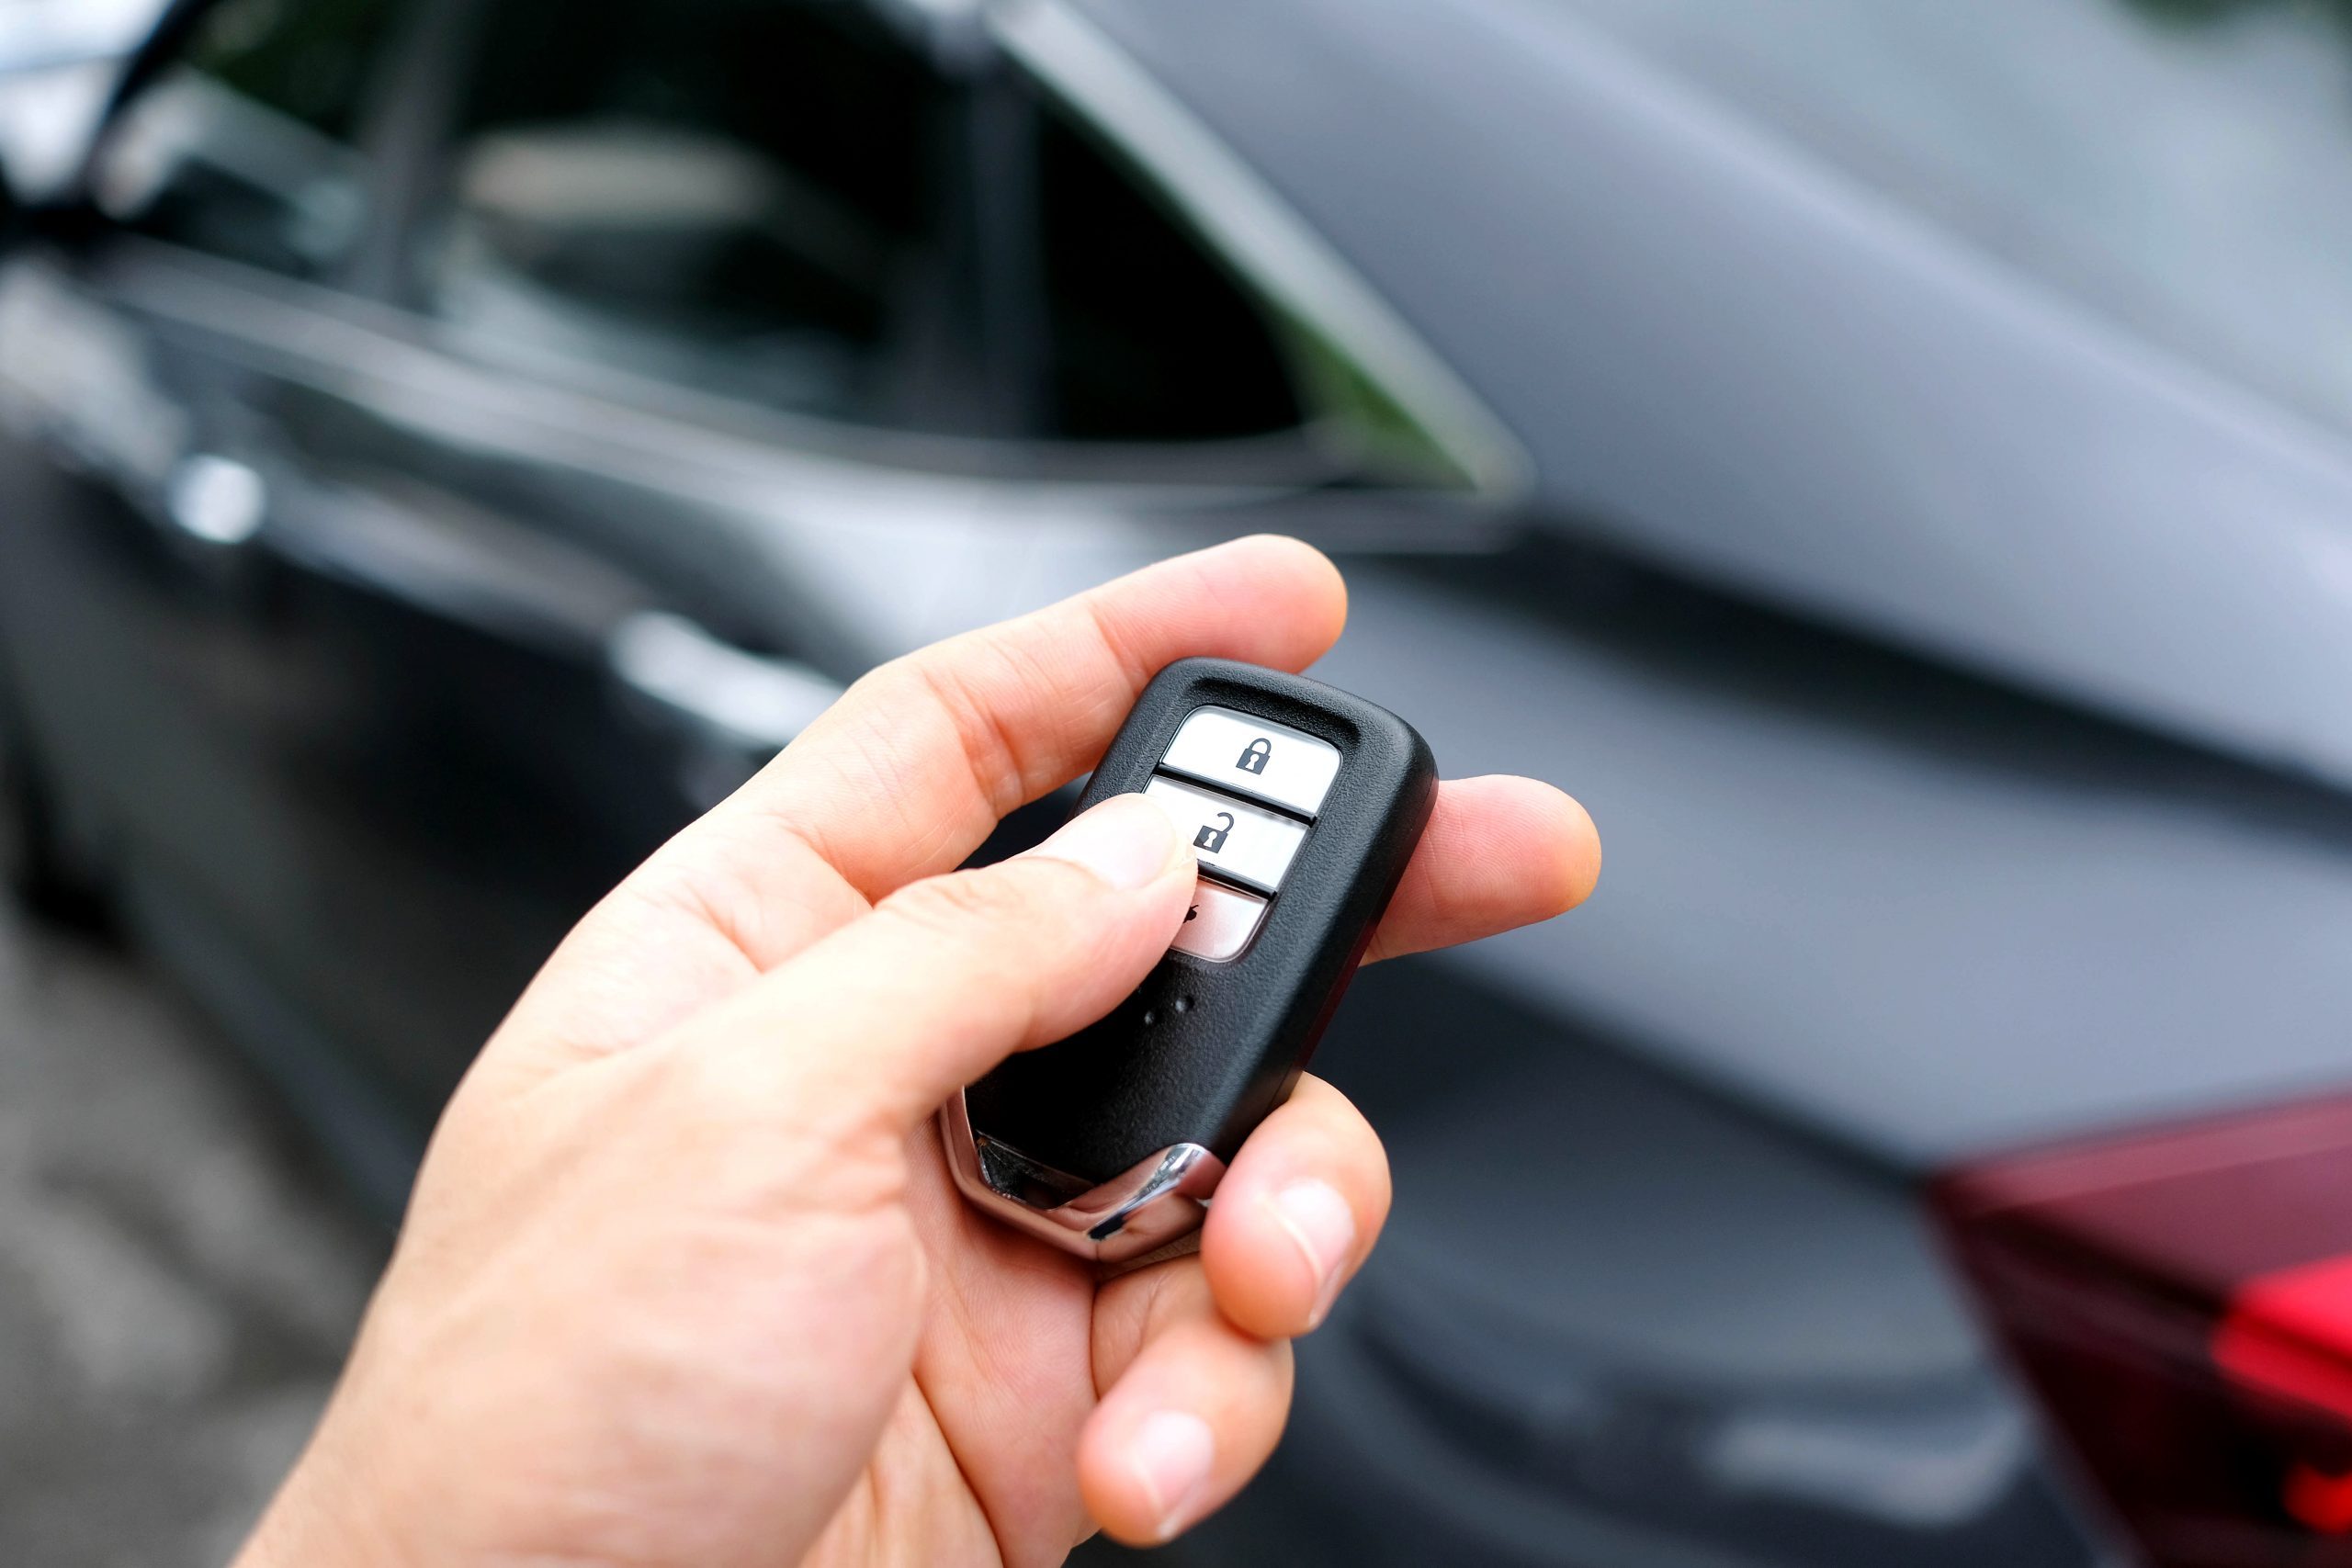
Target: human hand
684	1278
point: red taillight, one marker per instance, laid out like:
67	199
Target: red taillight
2181	1302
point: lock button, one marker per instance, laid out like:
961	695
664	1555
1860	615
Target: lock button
1250	757
1242	843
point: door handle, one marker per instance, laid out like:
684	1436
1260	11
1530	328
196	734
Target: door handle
216	499
725	698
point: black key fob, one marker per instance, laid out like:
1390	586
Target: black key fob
1303	805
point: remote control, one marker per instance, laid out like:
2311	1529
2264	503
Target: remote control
1303	805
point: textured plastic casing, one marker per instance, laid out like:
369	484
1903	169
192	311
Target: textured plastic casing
1201	1052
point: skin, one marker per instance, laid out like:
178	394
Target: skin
684	1280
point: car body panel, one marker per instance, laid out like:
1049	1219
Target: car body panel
1615	1320
429	510
1902	433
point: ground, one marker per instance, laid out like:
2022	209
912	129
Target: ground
177	1278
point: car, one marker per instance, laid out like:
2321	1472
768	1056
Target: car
1892	463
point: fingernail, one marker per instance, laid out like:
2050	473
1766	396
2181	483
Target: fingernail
1171	1453
1324	1228
1126	842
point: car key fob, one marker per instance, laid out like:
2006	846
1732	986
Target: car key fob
1303	805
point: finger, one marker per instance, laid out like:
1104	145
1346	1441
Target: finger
882	1020
913	768
1499	854
1193	1408
1297	1215
902	779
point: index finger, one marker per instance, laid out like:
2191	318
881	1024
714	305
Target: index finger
912	769
904	777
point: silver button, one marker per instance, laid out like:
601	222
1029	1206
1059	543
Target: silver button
1233	751
1221	923
1247	842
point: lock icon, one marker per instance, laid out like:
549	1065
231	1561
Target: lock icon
1256	756
1213	839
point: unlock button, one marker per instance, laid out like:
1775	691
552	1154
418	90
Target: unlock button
1232	838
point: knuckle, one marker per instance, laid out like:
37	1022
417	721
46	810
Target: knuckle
952	677
894	686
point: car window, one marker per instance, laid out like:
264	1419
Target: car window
247	145
733	195
2181	166
1149	337
852	210
784	201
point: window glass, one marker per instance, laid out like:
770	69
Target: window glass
833	207
1155	338
1149	337
246	146
735	195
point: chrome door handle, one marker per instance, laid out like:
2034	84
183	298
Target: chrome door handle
216	499
719	692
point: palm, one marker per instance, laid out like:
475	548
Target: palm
1013	1334
986	1428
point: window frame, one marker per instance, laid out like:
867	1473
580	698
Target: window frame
1239	218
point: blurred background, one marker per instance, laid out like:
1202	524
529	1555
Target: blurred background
1891	459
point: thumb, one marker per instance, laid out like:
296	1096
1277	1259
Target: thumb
889	1016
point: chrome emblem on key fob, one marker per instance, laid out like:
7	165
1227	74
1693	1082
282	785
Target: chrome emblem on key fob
1303	805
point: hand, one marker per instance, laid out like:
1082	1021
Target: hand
684	1280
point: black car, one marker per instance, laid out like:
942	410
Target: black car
1892	462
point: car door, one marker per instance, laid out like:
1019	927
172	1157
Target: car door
820	328
348	732
486	431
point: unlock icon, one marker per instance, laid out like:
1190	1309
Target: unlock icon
1255	757
1213	839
